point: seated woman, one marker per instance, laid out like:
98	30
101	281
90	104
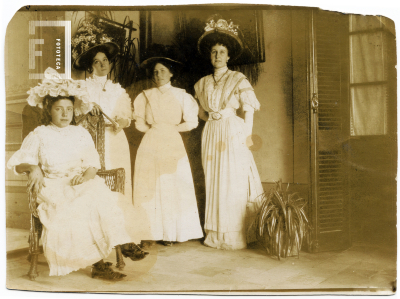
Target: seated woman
82	218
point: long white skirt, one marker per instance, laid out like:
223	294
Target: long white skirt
232	183
163	186
117	155
82	224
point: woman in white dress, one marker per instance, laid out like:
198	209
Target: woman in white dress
111	99
163	183
232	179
82	218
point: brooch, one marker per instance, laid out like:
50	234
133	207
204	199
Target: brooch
216	115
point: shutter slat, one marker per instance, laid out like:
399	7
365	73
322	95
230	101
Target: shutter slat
330	171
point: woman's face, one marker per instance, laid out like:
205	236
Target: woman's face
101	65
62	113
219	56
161	74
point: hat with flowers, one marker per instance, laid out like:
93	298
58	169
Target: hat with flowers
219	30
53	85
87	39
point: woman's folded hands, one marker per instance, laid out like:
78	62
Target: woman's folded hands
89	174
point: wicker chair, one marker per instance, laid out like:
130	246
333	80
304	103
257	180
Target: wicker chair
115	180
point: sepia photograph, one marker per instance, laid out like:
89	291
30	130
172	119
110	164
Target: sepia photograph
218	149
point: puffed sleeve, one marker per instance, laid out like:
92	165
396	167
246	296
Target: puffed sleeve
140	113
90	156
190	111
123	108
247	97
28	153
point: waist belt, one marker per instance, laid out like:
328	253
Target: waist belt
222	114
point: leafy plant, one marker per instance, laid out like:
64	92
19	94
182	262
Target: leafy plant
281	221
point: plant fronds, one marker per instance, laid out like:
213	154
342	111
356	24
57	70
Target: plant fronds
282	223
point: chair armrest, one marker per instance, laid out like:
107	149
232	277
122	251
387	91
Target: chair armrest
115	179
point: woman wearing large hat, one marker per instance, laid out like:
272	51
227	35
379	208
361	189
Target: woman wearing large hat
93	51
163	183
232	179
82	218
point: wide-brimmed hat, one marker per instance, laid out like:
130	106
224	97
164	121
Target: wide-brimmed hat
88	39
54	86
150	62
220	31
167	55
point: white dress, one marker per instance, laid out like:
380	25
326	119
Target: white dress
163	183
233	184
82	223
116	103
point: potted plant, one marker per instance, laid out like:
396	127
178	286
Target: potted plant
281	223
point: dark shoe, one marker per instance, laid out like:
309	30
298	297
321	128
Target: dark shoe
132	251
167	243
103	270
146	244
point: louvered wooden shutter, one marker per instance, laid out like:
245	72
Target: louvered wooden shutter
330	131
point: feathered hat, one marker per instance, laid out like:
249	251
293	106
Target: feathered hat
90	38
55	86
218	30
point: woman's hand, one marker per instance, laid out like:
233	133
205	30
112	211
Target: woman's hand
77	180
249	142
96	110
203	114
89	174
35	179
122	123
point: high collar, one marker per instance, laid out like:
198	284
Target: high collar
100	79
165	87
57	128
221	71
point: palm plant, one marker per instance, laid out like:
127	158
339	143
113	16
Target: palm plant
281	221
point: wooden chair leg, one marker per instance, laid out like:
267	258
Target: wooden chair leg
33	273
120	258
34	247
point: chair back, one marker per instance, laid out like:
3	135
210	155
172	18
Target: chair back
95	125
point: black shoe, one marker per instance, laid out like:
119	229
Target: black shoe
146	244
167	243
103	270
132	251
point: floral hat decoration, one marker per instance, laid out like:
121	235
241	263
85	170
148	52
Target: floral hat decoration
90	37
220	30
55	86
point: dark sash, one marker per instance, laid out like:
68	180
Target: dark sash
150	96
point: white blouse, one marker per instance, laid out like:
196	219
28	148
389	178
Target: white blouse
244	95
111	97
163	94
61	152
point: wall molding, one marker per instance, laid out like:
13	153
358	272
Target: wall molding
17	99
13	147
17	125
15	189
